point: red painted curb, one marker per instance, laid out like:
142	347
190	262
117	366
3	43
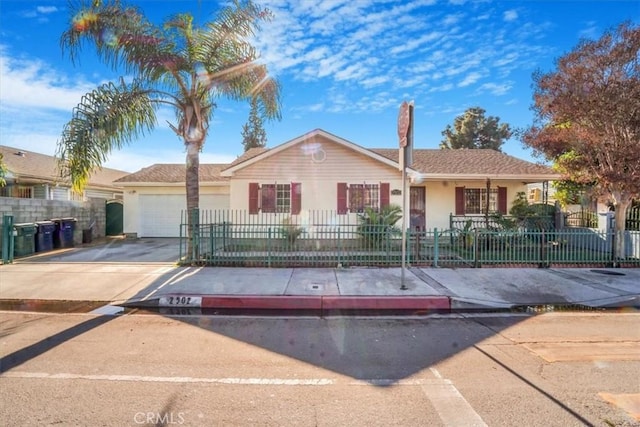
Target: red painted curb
276	302
385	303
260	302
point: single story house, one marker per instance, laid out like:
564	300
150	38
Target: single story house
35	176
319	171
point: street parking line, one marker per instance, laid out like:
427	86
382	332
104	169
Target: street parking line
156	379
451	406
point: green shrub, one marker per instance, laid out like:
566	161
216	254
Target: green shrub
290	231
375	228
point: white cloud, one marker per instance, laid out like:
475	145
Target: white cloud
510	15
590	31
470	79
46	9
32	83
132	161
496	88
374	81
351	72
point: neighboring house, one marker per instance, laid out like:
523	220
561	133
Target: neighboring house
35	176
540	192
319	171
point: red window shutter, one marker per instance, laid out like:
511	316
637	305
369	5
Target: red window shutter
502	200
254	189
384	194
459	200
268	198
296	198
342	198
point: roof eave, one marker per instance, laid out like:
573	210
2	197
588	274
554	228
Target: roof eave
479	176
171	184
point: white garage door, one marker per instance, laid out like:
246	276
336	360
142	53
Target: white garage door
160	215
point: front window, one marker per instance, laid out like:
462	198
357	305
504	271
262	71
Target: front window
276	198
363	196
475	200
283	198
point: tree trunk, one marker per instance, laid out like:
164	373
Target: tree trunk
620	225
192	180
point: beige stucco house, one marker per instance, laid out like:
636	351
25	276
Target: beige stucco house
319	171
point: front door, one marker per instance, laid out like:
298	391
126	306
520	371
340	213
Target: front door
417	208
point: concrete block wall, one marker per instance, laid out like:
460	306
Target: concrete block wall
87	213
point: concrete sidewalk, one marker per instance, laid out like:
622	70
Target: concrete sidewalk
165	284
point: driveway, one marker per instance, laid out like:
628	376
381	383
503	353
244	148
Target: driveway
116	250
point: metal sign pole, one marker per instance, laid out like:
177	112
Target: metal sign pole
405	158
403	286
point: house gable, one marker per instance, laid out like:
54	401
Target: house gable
320	158
309	149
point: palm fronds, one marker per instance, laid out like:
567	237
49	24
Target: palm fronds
106	119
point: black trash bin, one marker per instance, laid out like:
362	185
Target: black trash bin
87	235
63	234
44	235
25	241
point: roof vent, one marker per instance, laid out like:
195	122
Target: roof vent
20	153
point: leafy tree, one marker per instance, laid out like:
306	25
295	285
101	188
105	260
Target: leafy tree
253	133
588	118
175	64
473	130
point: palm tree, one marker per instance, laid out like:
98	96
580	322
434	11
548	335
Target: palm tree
175	64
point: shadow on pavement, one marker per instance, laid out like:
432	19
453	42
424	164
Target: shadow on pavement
384	349
25	354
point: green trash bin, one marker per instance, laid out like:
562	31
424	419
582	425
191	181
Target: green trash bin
25	239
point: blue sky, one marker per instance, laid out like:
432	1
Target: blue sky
345	66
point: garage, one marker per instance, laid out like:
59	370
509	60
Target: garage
160	214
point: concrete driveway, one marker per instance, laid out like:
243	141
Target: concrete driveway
118	250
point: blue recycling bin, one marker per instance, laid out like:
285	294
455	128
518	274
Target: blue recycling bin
63	234
44	235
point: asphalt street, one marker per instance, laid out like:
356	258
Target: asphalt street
456	370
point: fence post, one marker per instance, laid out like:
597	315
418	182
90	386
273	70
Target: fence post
339	248
476	254
212	240
436	248
387	242
181	236
408	246
195	234
269	247
7	239
614	235
544	263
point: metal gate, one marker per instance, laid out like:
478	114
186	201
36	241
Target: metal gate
114	220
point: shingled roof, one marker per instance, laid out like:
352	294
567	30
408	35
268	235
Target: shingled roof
467	162
430	162
249	154
174	173
29	165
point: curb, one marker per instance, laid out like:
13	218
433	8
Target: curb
296	302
